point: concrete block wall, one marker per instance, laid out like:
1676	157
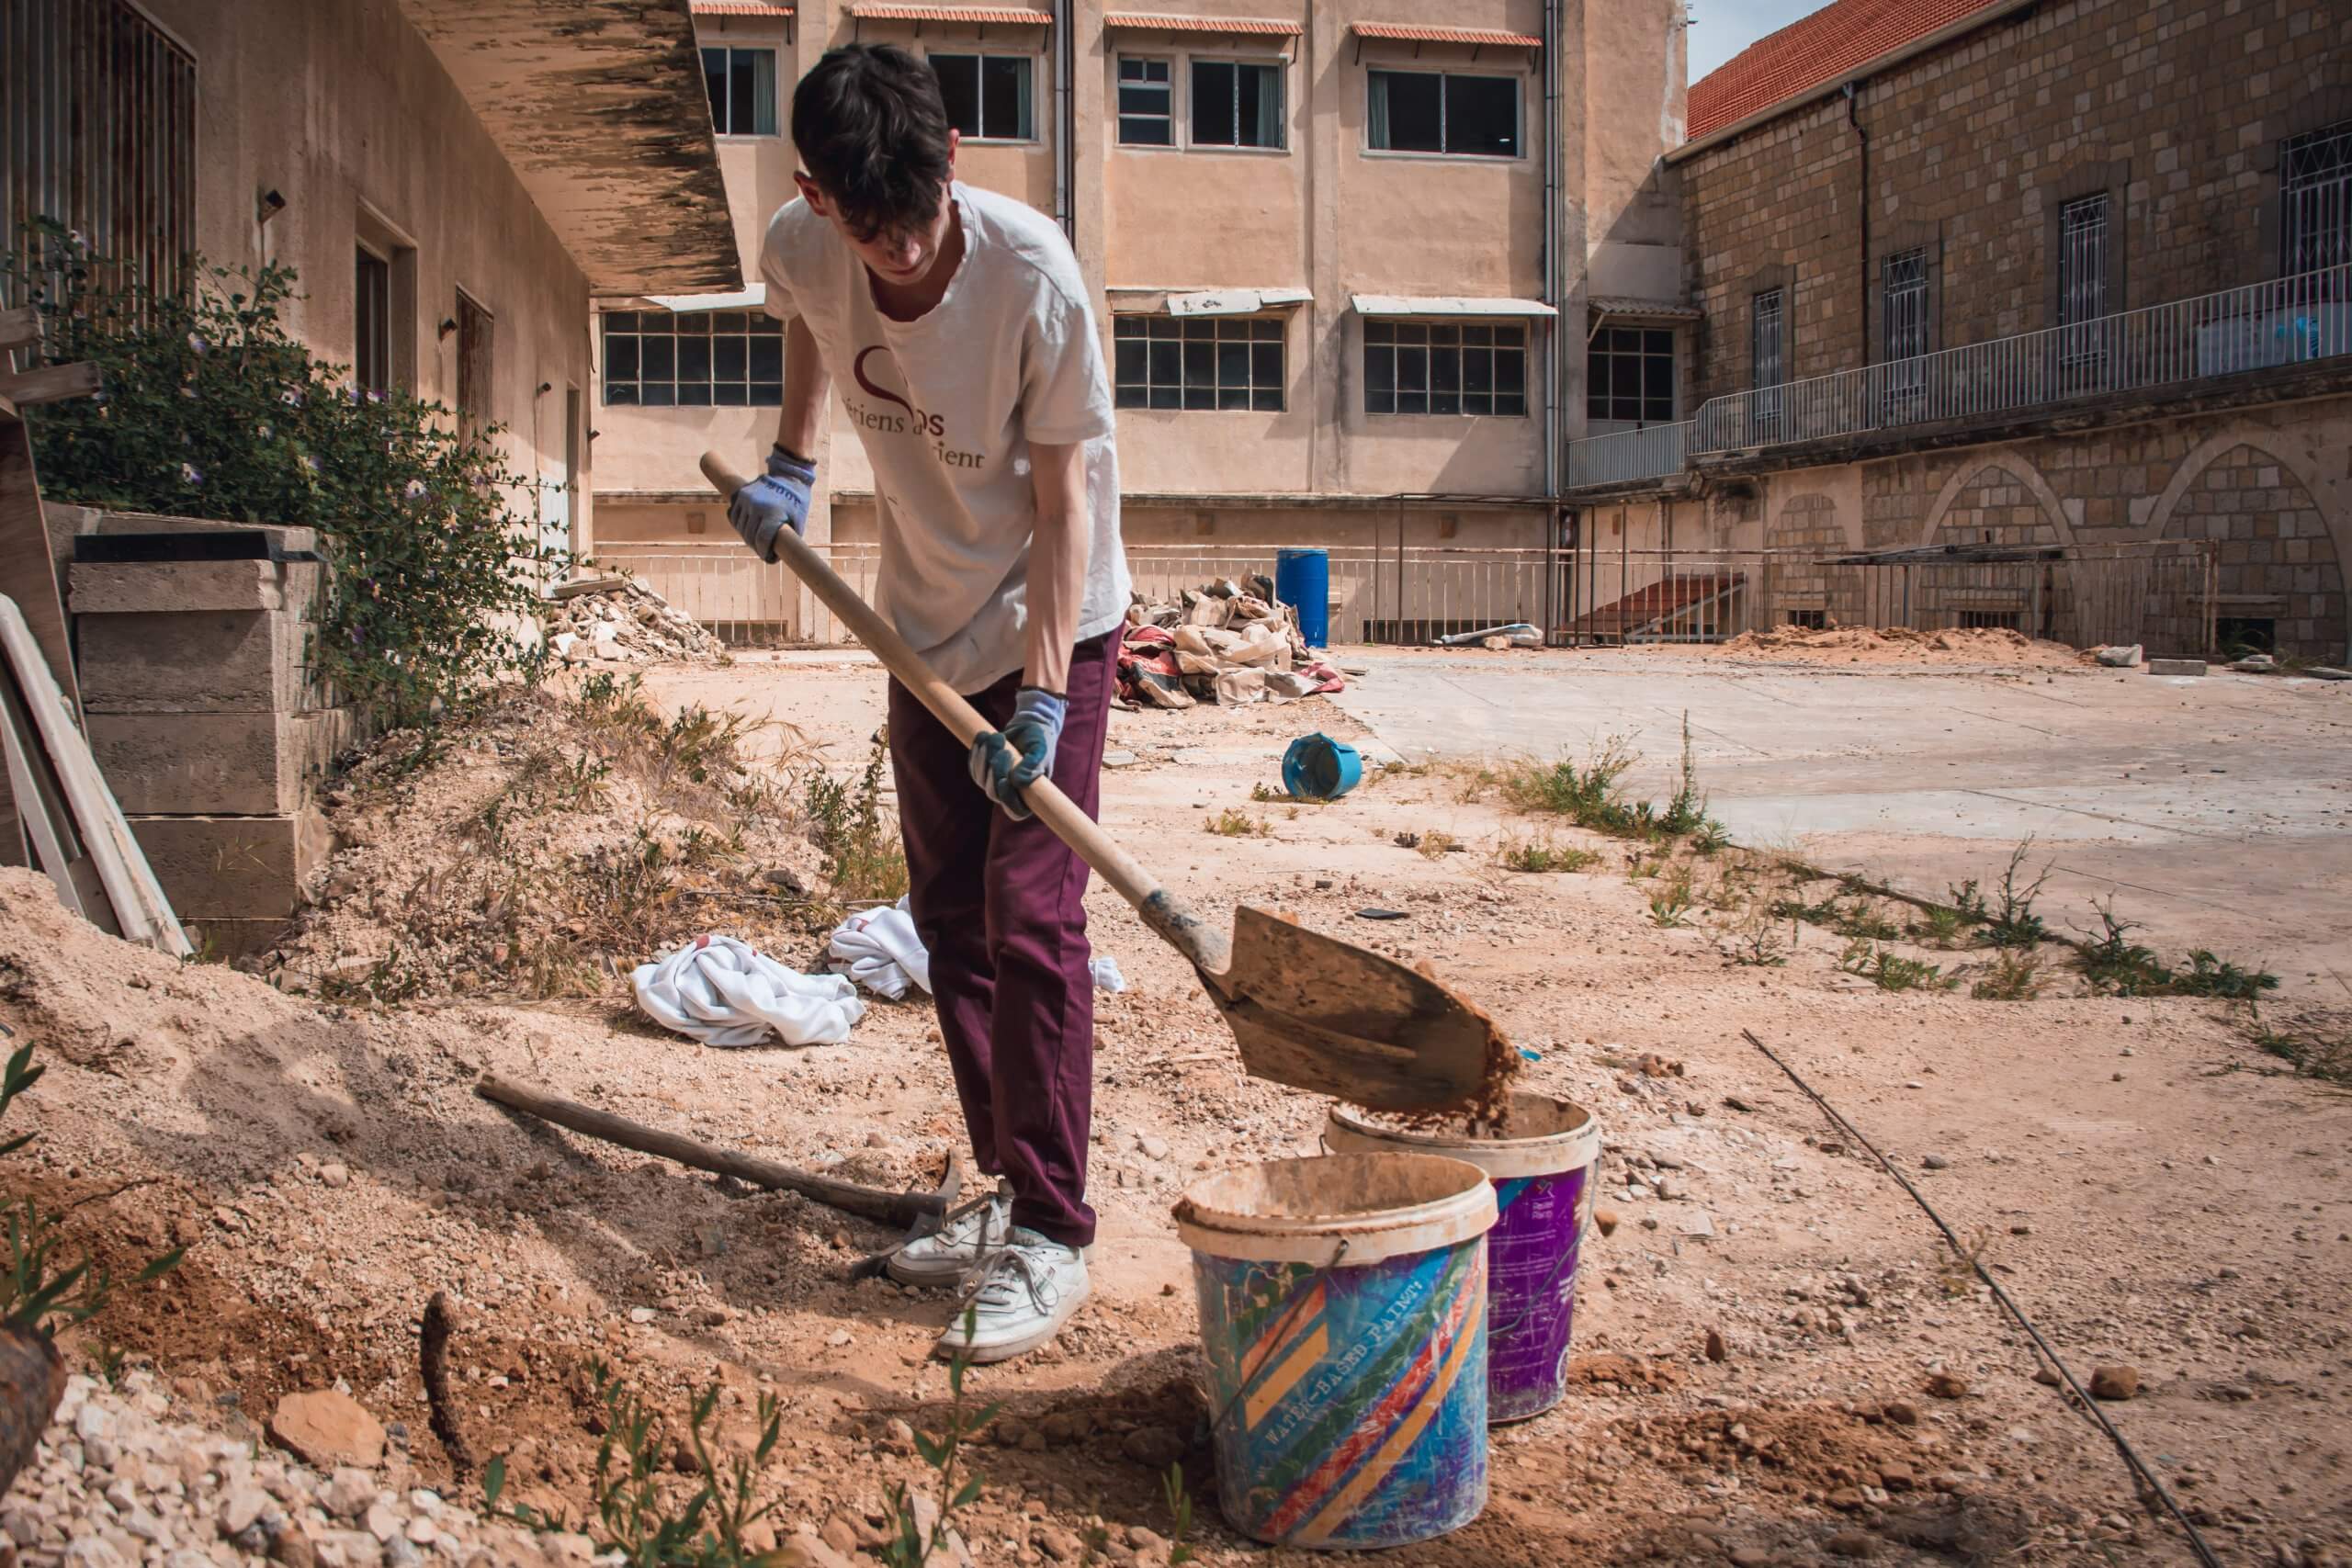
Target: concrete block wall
209	727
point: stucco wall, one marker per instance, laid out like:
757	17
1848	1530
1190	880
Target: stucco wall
338	105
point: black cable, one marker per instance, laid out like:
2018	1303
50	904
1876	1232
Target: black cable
2146	1477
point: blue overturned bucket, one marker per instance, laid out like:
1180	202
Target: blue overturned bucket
1317	766
1303	581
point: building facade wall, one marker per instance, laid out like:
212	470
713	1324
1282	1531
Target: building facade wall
344	112
2175	111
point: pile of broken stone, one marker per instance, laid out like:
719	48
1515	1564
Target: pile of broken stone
1223	643
619	620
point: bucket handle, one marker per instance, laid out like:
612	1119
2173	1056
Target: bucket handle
1281	1325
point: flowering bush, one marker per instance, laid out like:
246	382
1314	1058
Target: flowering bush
211	409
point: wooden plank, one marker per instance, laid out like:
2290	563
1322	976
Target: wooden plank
50	384
28	565
39	811
20	328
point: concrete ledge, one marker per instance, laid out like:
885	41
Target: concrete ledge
284	536
110	588
256	764
235	867
2176	667
199	662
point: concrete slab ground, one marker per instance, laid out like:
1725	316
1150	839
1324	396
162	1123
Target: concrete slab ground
2217	811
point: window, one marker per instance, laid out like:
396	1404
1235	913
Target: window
1236	105
726	359
742	90
1811	620
1421	112
371	322
476	384
1147	102
1903	284
2082	260
2316	201
1768	350
1992	620
1629	375
1424	367
1197	362
988	95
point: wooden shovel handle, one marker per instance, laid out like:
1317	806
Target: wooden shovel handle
1208	949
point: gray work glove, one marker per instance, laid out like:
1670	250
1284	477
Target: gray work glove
776	500
1008	762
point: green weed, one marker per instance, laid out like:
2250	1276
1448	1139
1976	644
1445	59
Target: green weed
2014	976
1893	972
1232	824
1541	857
2013	923
1939	926
864	860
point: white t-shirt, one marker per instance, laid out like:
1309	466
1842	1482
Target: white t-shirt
947	405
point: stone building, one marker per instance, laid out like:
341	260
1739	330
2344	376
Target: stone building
2042	272
1340	254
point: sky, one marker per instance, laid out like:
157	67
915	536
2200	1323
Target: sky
1721	28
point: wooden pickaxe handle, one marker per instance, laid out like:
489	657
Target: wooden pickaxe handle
1209	949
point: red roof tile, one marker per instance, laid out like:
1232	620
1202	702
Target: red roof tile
741	8
987	15
1414	33
1229	26
1816	49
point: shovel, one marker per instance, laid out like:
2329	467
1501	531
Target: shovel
1306	1010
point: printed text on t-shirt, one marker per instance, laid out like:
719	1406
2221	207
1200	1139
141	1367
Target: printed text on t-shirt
912	422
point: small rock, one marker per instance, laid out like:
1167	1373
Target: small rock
1750	1557
840	1534
1935	1162
324	1428
1900	1412
240	1508
1896	1477
1715	1348
335	1175
1849	1543
1154	1448
640	1314
1604	1221
1059	1544
1948	1385
1153	1148
381	1521
2114	1383
1846	1497
348	1494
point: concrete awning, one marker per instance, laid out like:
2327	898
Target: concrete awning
1420	32
756	8
979	15
599	108
1446	305
1221	27
1132	301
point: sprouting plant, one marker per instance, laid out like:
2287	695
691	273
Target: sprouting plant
1541	857
1758	944
908	1545
1710	837
1436	845
2112	961
2209	976
1940	925
1863	919
2013	922
1893	972
865	858
1232	824
1670	905
1967	900
2014	976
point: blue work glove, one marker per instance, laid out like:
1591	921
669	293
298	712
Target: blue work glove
1004	763
776	500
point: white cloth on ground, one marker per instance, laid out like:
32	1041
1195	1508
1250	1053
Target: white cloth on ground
1105	970
879	950
721	991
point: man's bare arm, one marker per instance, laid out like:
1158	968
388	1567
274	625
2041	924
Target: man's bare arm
805	384
1057	560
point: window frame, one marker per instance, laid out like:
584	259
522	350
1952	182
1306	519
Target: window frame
1119	115
371	319
1027	61
775	96
1277	69
1183	331
758	326
1595	348
2301	146
1428	389
1518	81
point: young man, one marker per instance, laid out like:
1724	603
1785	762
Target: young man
957	321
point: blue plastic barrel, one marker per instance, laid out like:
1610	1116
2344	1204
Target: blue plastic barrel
1303	578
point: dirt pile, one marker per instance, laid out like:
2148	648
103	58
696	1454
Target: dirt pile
619	620
551	845
1221	643
1901	644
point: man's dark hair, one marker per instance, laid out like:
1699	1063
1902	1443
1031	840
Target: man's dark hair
872	132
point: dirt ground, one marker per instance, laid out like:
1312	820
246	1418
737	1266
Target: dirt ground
2153	1190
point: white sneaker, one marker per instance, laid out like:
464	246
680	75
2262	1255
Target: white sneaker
953	1253
1025	1292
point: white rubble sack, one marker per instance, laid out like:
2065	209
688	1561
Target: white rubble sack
879	950
721	991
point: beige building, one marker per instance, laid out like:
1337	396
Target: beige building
1341	256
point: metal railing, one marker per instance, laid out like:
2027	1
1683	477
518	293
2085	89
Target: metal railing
1650	452
2287	321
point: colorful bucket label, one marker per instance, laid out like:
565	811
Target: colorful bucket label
1352	1402
1531	1298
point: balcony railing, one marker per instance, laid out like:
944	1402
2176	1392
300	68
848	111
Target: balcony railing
2288	321
1650	452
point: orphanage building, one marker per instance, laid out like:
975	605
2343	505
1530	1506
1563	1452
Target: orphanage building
2074	275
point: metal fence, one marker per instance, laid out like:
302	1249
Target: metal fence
2287	321
1650	452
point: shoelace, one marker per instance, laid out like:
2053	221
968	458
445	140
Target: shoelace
996	1282
984	1207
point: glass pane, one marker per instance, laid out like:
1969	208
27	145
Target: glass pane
1266	364
762	92
620	320
1269	398
1128	397
714	80
1412	371
1379	400
1380	332
693	359
1482	115
658	395
742	92
1515	336
1167	364
1233	397
726	359
767	394
1477	335
1146	133
1266	330
1445	369
1004	98
1658	410
695	325
1415	116
1409	332
1624	377
694	394
1446	401
1233	364
1259	109
620	359
1199	329
660	359
621	394
1212	103
1166	395
1128	355
1143	100
1412	402
1510	403
731	321
767	359
1511	372
728	394
1200	365
1596	405
1659	343
1445	337
959	89
1477	372
1380	369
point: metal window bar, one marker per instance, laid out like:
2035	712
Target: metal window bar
2285	323
2082	293
1767	331
1904	324
2316	201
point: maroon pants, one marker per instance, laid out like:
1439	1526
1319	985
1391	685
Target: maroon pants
1001	905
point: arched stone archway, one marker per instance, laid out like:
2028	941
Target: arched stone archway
2278	562
2000	500
1807	527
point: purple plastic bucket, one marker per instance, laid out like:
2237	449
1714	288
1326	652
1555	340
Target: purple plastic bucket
1542	1177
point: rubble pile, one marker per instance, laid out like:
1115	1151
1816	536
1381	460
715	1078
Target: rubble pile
617	620
1220	643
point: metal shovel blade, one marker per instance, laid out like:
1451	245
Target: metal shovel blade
1321	1014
